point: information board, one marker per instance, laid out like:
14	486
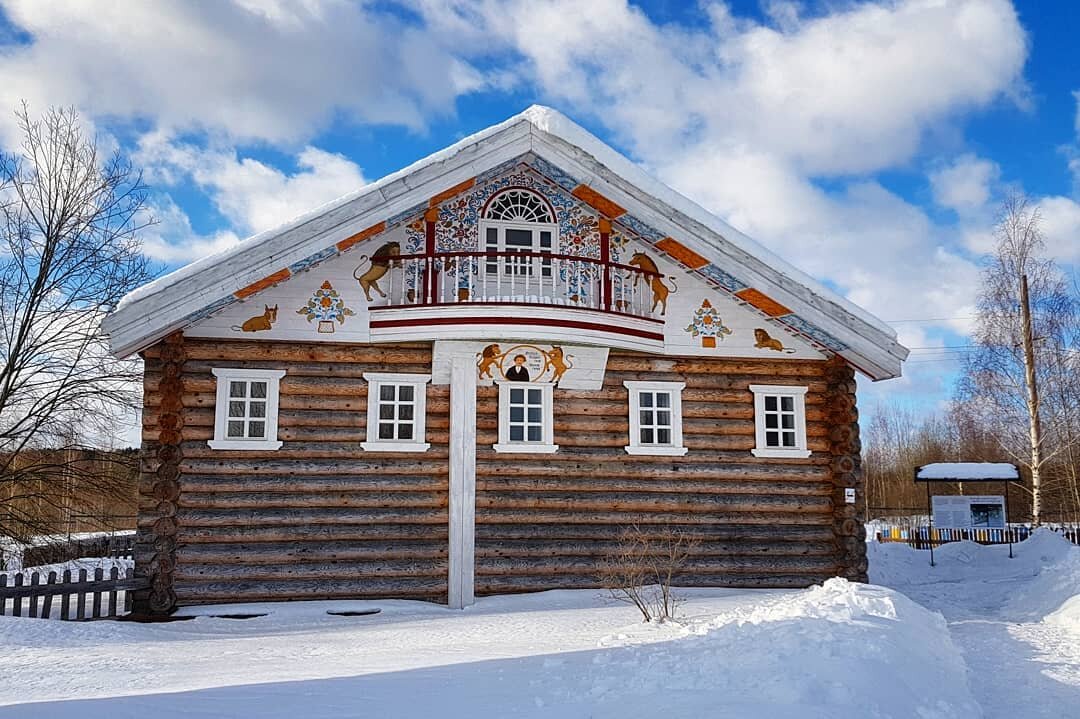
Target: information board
968	512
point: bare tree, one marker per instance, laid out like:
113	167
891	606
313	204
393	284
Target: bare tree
642	567
1025	341
69	220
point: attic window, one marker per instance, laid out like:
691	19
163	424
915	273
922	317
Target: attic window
518	206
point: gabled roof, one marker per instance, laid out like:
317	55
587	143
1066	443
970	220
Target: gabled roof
576	160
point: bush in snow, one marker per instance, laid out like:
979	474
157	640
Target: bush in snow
640	569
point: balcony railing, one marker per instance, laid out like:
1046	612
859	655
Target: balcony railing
531	278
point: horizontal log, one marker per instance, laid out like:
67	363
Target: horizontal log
435	456
311	500
286	552
318	483
522	584
191	592
326	571
603	485
357	533
233	517
774	534
649	502
534	548
622	519
223	349
626	362
699	566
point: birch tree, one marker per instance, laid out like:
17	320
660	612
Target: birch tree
69	250
1025	347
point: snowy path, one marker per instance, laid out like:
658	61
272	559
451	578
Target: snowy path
1018	665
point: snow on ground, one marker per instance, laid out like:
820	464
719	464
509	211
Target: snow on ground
837	650
1016	621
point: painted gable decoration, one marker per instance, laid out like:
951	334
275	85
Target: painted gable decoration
326	306
523	363
707	325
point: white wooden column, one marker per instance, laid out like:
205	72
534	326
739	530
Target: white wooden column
462	481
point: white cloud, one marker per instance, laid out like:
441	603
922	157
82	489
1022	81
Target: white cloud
252	195
172	241
1061	227
965	185
254	69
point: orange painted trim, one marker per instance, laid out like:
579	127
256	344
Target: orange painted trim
763	302
591	197
361	236
279	276
455	190
681	252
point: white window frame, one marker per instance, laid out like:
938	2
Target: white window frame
376	381
547	444
761	391
674	448
226	375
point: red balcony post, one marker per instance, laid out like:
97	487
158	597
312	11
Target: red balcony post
430	217
605	262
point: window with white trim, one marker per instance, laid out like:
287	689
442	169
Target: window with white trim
397	412
246	410
655	418
525	417
780	421
514	221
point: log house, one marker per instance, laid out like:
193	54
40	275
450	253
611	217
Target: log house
468	377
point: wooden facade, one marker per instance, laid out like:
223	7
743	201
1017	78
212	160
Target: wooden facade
530	242
322	518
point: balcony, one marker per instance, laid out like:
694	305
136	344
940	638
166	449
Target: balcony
516	295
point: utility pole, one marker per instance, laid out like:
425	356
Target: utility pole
1035	427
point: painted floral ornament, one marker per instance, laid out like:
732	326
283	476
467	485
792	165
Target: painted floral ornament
326	306
707	325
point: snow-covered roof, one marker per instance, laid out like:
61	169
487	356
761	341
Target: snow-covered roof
967	471
210	283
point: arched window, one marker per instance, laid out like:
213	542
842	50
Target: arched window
519	221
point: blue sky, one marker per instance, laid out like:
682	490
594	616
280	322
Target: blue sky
866	142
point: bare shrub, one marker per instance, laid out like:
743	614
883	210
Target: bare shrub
641	568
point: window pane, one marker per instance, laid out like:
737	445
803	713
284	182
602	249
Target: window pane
257	409
238	389
663	436
236	429
770	421
405	431
663	418
405	393
545	240
258	390
770	403
517	396
789	421
645	399
492	238
236	409
386	430
519	239
646	416
647	436
535	396
534	414
535	434
257	429
663	399
386	411
789	439
386	392
517	433
517	414
772	439
405	411
787	404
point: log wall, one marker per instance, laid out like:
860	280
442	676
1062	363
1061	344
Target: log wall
545	521
322	518
318	518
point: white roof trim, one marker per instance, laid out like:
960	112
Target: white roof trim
160	307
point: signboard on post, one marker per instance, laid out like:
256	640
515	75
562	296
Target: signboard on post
972	512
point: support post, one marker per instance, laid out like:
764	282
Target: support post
430	217
930	523
462	483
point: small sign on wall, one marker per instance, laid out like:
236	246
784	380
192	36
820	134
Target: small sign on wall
973	512
849	495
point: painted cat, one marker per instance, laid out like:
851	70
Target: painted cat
258	323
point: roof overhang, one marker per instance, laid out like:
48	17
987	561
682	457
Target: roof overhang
180	298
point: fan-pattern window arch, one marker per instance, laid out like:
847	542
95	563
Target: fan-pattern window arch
516	205
519	221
